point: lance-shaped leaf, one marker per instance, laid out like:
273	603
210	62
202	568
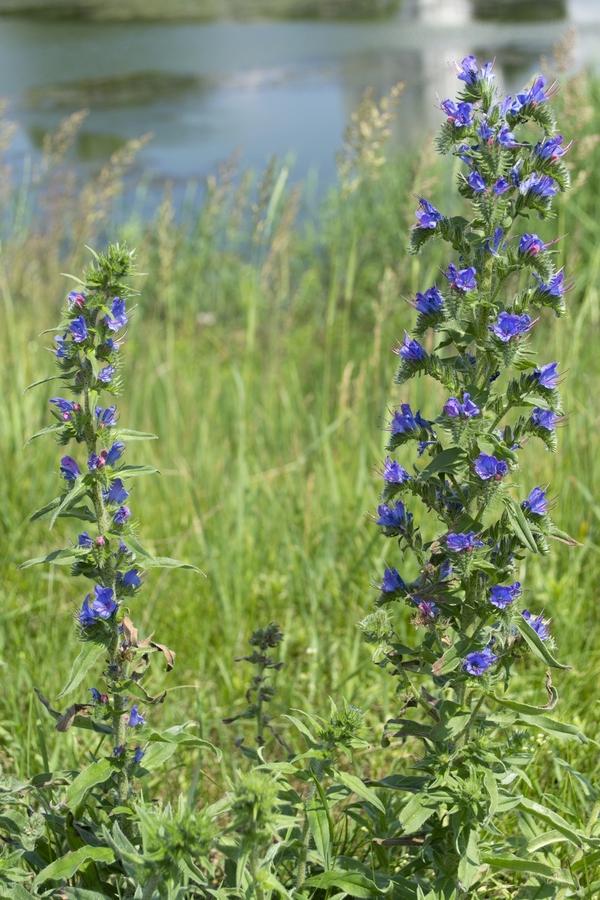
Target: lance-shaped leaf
536	644
449	461
58	557
68	500
96	773
137	471
530	867
146	559
45	380
66	866
88	655
519	523
57	426
130	435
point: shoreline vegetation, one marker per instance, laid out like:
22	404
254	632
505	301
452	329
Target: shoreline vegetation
198	10
265	370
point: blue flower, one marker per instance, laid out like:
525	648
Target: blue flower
101	607
393	472
486	132
69	468
460	115
121	515
410	350
476	182
77	299
551	149
506	138
84	540
530	245
105	374
404	422
492	244
501	186
65	407
115	453
138	755
428	609
119	750
544	418
430	302
394	517
515	173
538	624
78	330
555	287
511	326
536	502
502	595
467	408
547	376
423	445
463	280
130	579
477	663
119	317
392	582
427	214
61	350
94	461
459	542
97	697
538	186
469	73
117	493
106	417
135	717
488	467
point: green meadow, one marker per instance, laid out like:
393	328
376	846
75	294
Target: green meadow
260	354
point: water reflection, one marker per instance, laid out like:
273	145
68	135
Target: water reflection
205	89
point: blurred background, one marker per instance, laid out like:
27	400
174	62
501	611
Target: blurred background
209	77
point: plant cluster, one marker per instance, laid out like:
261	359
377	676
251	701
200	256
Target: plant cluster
460	822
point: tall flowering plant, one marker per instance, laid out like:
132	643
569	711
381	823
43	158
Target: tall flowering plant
458	572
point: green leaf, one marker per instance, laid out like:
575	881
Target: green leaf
536	644
137	471
519	523
529	867
525	708
551	818
557	729
545	839
88	655
96	773
49	428
449	461
415	814
68	500
136	435
178	736
155	756
44	381
149	561
317	814
358	787
469	862
66	866
353	883
58	557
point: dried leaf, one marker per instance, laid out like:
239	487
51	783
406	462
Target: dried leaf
130	632
68	717
168	654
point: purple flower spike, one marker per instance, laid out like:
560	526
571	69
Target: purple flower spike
76	299
428	609
135	717
556	287
121	515
539	625
463	280
511	326
404	422
536	503
61	350
467	408
430	302
105	374
547	376
101	607
540	187
460	114
69	468
138	755
469	73
488	467
477	663
551	149
501	186
506	138
391	582
410	350
502	595
106	417
131	579
460	542
85	541
65	407
394	473
530	245
78	330
115	453
117	493
428	216
119	317
544	418
476	182
394	517
492	244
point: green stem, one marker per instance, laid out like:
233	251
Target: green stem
303	853
260	894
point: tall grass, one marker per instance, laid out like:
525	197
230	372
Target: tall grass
262	360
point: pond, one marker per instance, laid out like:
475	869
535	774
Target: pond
206	88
